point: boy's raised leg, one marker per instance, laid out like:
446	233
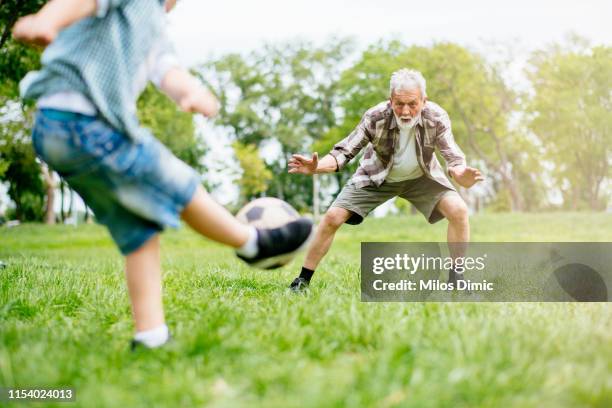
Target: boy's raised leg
212	220
257	247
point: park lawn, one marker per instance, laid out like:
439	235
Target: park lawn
241	339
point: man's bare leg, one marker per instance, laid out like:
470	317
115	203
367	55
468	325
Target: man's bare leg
332	220
456	212
324	236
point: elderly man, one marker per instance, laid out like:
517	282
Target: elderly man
399	137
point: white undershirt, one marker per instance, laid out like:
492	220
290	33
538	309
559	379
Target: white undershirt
405	163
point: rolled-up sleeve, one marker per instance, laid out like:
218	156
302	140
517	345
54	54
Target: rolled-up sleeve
103	6
161	59
445	141
345	150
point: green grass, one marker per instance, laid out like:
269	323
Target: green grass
240	339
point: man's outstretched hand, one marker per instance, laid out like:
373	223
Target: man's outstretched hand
304	165
466	176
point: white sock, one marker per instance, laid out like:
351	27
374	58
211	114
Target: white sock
154	337
250	248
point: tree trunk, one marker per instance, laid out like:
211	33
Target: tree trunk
71	205
88	217
50	189
517	203
7	31
594	201
62	209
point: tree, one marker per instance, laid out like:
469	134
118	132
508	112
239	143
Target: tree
15	59
281	97
572	115
171	126
255	175
21	171
18	164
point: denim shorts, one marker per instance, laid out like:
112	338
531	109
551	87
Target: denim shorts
134	189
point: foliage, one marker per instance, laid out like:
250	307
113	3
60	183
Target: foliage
171	126
21	170
17	161
18	165
572	115
255	175
15	59
281	96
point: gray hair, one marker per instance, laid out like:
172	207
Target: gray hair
407	79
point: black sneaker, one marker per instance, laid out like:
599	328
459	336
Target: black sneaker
299	285
454	278
278	245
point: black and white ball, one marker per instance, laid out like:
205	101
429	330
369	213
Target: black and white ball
267	212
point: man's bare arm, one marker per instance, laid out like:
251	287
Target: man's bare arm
304	165
327	164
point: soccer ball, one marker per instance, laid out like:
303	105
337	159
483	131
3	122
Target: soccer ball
267	212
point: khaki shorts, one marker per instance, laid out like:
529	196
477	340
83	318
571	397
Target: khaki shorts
424	193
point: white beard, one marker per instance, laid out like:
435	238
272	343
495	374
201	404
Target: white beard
407	126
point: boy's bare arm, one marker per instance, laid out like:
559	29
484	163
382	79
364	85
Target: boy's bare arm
42	27
189	93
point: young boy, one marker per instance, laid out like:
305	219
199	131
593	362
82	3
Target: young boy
99	57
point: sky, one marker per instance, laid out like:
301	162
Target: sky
202	28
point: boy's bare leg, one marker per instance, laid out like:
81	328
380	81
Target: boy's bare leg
143	273
210	219
257	247
143	266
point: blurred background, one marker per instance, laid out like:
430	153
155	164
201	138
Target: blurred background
528	87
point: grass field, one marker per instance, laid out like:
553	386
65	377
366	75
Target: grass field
242	340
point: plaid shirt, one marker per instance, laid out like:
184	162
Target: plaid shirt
378	133
99	57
